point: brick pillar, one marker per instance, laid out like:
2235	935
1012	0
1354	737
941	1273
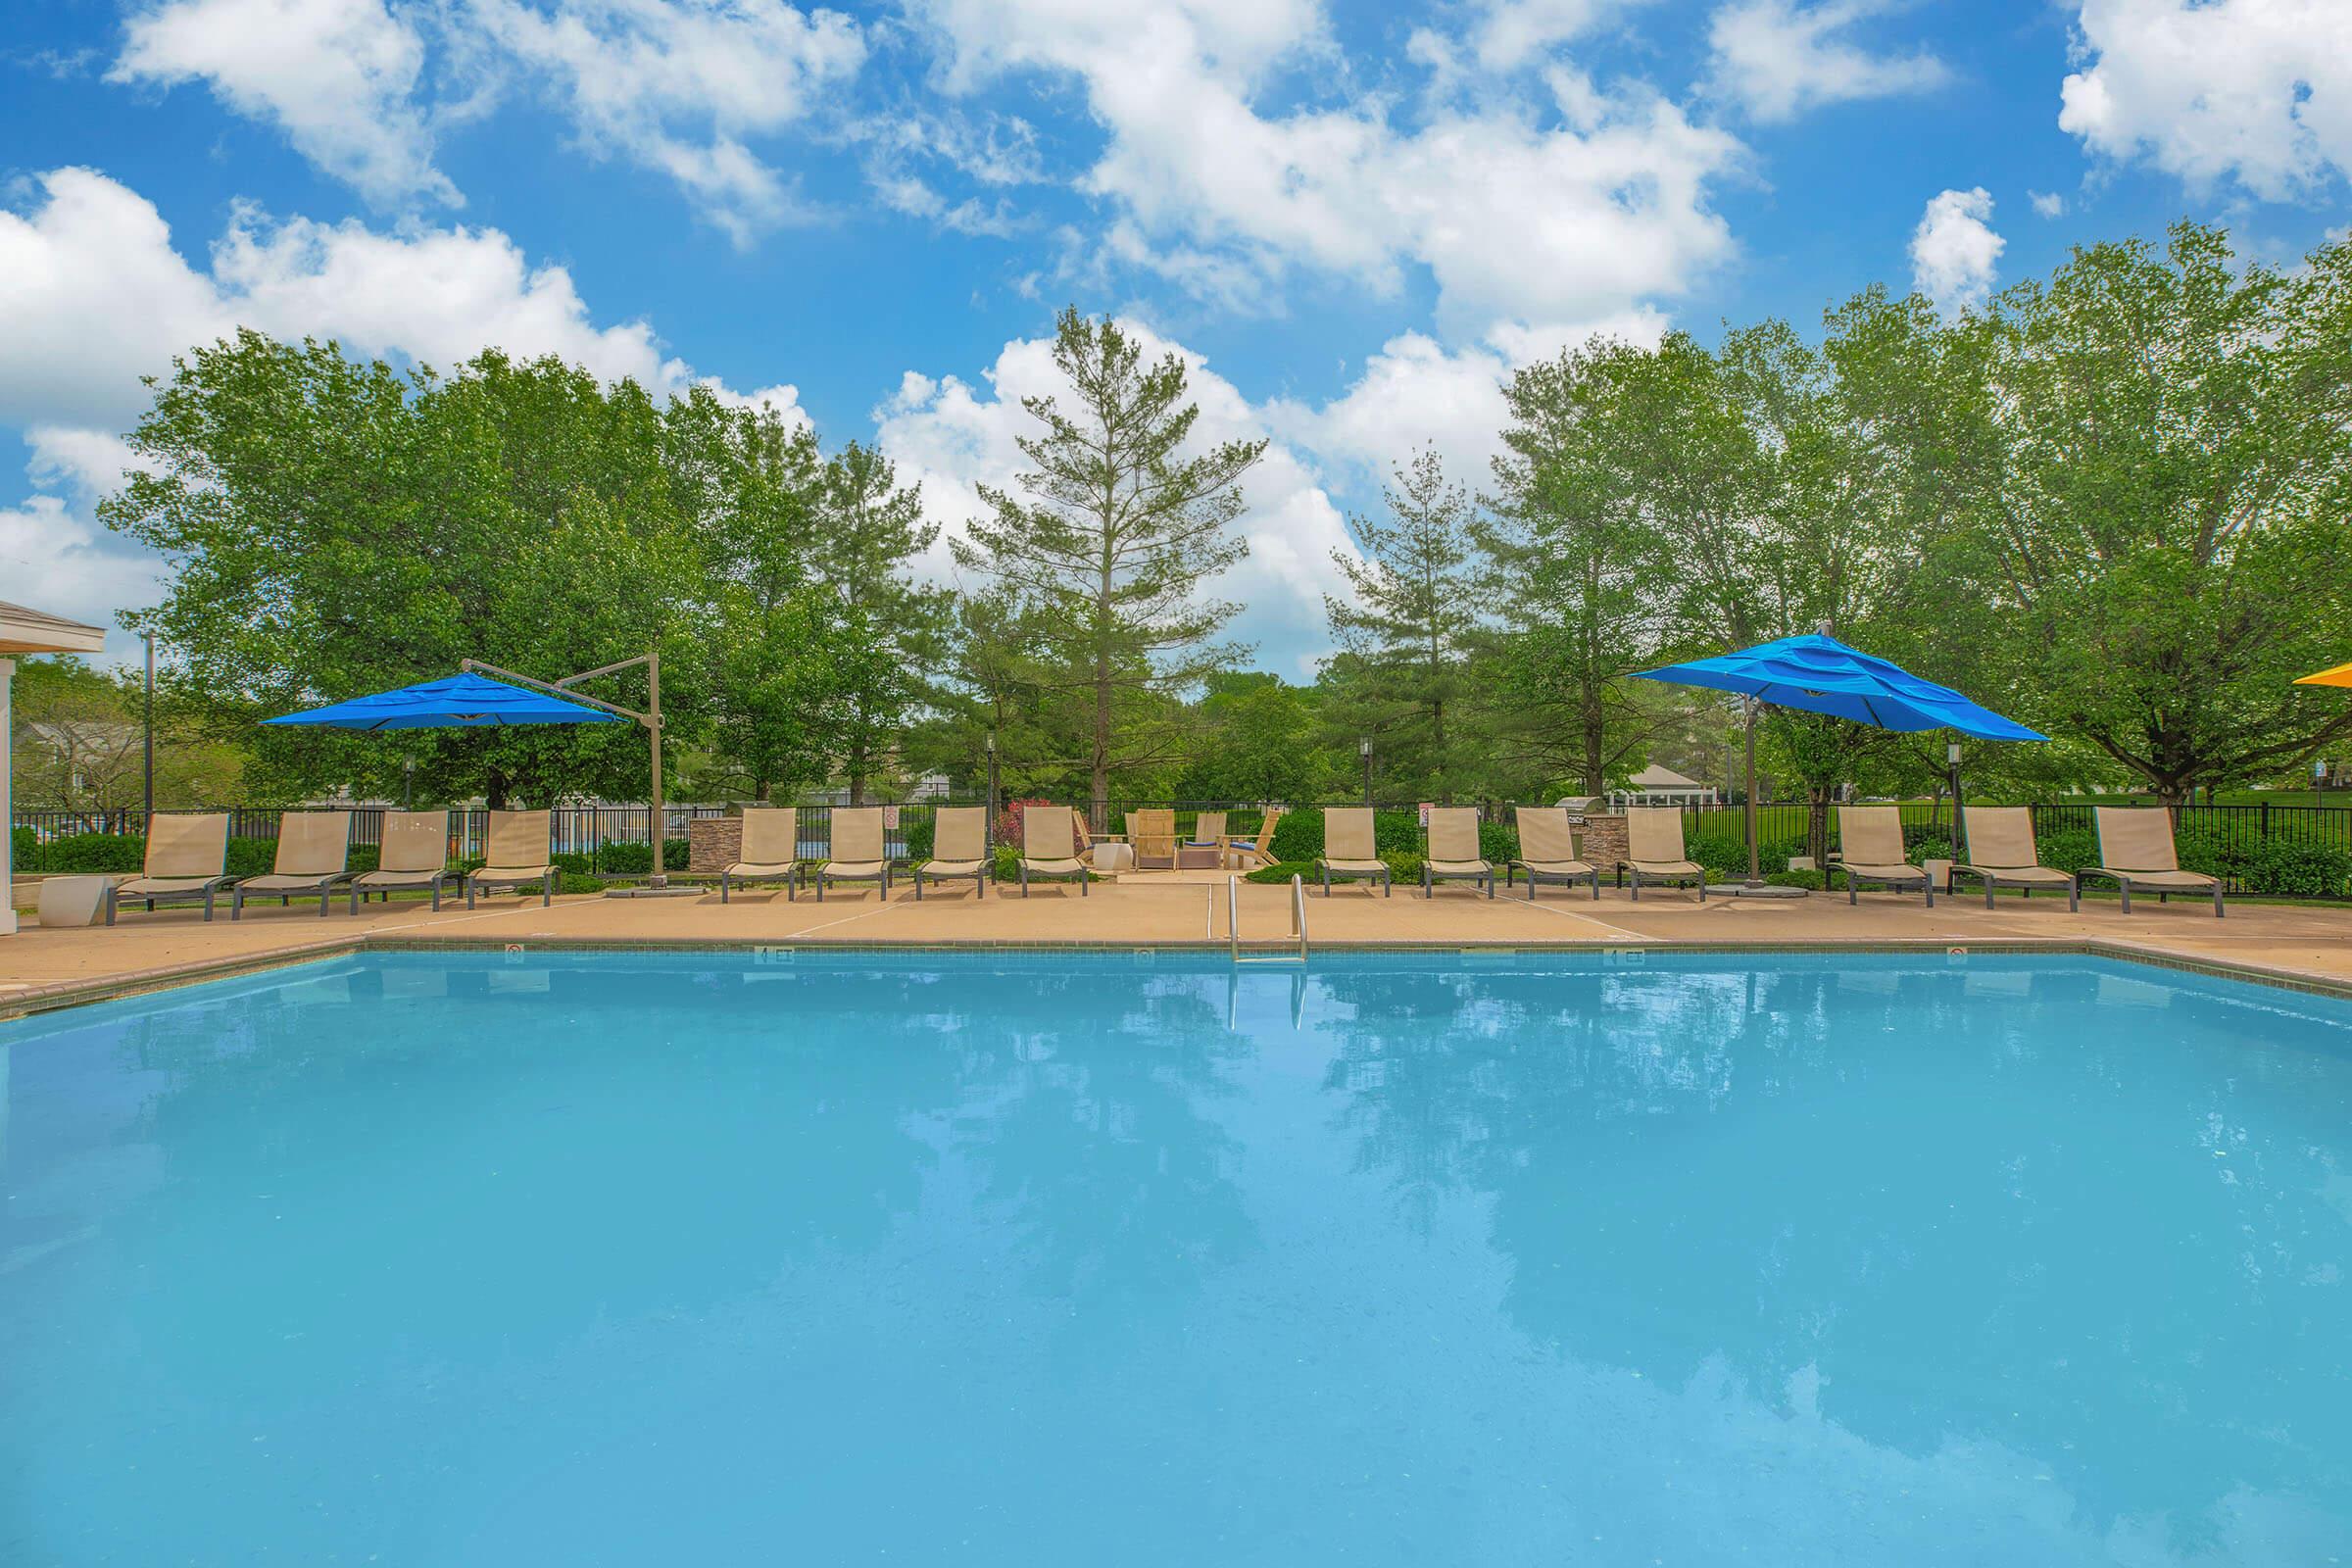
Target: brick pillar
1600	839
712	844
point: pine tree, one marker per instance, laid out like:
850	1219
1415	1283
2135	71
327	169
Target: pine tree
1114	535
887	629
1411	624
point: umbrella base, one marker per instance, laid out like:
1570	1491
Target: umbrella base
673	891
1759	890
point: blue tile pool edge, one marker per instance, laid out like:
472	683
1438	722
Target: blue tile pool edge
80	994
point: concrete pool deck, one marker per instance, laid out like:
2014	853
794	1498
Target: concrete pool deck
43	968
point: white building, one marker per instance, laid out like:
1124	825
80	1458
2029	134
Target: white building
1662	786
28	631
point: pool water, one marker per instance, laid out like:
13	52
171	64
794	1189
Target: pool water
1001	1259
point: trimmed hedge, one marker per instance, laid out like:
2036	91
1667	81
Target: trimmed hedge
635	859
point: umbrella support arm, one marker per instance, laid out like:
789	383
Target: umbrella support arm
651	718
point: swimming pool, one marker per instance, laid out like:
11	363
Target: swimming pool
450	1258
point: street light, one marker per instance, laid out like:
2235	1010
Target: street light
1363	749
1951	768
992	788
147	794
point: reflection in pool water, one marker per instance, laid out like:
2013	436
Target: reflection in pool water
638	1258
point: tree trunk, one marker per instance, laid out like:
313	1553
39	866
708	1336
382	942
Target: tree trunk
1817	826
495	790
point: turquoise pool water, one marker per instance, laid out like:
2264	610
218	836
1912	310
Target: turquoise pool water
693	1259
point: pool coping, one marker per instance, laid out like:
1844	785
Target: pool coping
61	995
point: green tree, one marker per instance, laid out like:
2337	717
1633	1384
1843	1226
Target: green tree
886	630
1113	536
2167	519
1576	565
338	528
1410	627
1260	744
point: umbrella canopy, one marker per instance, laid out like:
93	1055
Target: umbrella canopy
2340	676
1823	675
456	702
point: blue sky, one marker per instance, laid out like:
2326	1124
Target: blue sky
1357	218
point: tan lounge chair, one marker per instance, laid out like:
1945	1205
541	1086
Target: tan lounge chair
858	852
1870	848
1547	849
1654	849
770	851
1049	848
2136	851
415	854
187	858
958	849
2001	854
1249	857
514	855
1454	855
1350	849
313	855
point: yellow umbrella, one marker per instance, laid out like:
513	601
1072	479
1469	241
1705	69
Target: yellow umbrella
2340	676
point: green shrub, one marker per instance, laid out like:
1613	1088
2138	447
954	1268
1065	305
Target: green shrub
637	859
1812	881
1725	855
1498	843
1009	864
1931	845
95	852
922	832
1299	836
26	849
252	856
2298	871
2068	850
1282	870
1403	865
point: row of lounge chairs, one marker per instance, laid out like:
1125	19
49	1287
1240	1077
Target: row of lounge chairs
187	854
2136	852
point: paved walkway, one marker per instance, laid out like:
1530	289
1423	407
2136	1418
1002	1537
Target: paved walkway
41	967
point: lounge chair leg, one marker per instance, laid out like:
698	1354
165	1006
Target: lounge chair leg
722	887
237	904
1490	884
1989	891
1425	881
918	886
2074	897
1636	884
208	905
109	904
1327	882
1024	881
1851	898
2217	901
1085	882
1930	893
470	892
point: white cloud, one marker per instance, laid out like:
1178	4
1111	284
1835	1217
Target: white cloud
1780	58
2047	204
2259	89
682	86
951	435
338	76
1954	251
74	355
71	358
56	557
1606	191
1412	394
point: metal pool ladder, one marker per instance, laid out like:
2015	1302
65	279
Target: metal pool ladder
1232	923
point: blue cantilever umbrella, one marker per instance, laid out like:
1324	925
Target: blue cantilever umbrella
466	701
1823	675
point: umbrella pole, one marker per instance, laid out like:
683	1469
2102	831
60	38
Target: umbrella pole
1755	873
653	728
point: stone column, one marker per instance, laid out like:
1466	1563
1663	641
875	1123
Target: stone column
1600	839
713	843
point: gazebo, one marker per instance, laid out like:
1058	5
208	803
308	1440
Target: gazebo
1662	786
28	631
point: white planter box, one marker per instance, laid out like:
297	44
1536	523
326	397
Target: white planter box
69	901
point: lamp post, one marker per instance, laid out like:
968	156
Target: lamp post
147	740
1363	749
1951	768
992	789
